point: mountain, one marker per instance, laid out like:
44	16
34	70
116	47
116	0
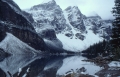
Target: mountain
17	34
75	30
48	20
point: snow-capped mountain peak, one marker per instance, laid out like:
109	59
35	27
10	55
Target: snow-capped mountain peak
48	14
47	5
72	8
75	18
48	1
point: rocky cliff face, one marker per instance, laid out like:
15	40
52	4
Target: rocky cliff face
49	14
12	20
82	23
28	16
100	26
76	18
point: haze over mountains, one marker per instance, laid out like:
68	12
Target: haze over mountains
48	28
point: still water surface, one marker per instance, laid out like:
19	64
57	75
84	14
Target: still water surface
44	66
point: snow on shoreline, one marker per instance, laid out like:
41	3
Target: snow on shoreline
114	64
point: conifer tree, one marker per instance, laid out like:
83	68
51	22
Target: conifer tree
116	26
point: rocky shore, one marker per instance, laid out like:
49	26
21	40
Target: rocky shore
109	68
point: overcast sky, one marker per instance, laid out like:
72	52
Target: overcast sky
87	7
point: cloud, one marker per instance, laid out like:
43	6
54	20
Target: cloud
101	7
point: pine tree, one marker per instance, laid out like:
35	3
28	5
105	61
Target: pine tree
116	26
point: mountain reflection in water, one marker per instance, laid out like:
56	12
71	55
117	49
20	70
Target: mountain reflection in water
44	66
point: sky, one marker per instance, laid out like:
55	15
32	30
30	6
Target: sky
88	7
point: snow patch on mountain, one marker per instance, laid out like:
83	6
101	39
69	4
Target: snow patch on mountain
13	45
78	45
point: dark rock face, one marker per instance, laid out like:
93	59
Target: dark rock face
48	34
28	16
13	15
79	26
2	34
80	36
12	20
68	34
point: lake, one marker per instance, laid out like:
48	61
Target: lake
45	66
